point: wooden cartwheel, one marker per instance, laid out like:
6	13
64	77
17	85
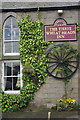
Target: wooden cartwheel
62	61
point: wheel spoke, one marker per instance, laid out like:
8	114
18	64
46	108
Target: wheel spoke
67	55
72	65
54	68
54	56
65	72
57	53
51	57
73	61
51	61
70	57
51	66
56	74
61	53
69	69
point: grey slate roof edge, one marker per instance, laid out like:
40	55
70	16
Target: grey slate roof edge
40	9
31	5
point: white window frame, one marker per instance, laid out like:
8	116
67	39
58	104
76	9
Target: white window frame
10	91
8	54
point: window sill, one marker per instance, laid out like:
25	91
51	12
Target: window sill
11	54
12	92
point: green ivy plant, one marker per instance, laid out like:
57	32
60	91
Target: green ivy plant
32	54
32	51
32	46
77	26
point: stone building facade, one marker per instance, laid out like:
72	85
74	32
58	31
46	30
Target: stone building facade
11	11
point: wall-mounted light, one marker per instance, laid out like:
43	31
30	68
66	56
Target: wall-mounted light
60	12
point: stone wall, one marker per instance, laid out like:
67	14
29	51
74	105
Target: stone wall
53	89
0	43
49	93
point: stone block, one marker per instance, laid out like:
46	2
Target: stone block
50	105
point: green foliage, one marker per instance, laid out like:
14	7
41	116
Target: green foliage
10	102
38	14
16	102
66	104
77	26
32	54
32	46
32	51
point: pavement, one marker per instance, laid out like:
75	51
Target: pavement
41	115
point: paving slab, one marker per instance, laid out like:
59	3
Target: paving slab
41	114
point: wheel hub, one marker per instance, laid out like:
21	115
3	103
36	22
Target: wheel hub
61	62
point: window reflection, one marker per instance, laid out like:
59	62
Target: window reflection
8	83
8	34
16	47
8	23
12	79
11	36
14	23
8	47
7	69
16	68
15	34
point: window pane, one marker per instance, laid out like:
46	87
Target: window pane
16	83
15	47
8	23
7	34
11	32
8	83
14	23
12	47
16	68
15	34
8	47
12	79
7	69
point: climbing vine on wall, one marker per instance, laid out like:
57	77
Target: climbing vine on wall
77	26
32	47
32	55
